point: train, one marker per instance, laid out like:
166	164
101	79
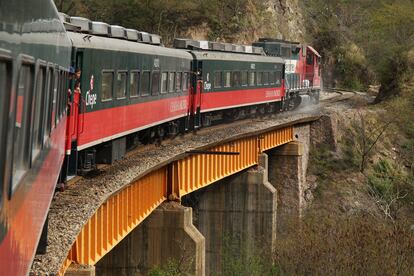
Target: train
77	93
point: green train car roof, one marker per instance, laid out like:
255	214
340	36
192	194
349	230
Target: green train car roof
87	41
224	56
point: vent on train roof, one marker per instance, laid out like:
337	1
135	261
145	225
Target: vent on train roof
182	43
83	23
131	34
118	32
101	28
144	37
155	39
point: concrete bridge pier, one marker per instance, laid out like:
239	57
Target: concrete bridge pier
168	234
287	172
238	211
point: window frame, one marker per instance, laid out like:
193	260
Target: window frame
15	181
148	92
105	71
138	73
279	78
261	78
247	78
265	78
6	58
225	74
179	76
166	83
47	122
272	77
38	142
236	75
55	98
157	92
186	80
221	79
116	84
254	78
171	87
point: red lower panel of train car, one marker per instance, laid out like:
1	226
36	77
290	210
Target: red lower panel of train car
107	124
211	101
27	210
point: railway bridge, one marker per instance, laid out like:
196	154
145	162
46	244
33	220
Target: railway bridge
246	184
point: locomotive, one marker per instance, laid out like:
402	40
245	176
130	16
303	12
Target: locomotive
128	89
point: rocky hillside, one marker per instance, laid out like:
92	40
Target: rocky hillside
242	21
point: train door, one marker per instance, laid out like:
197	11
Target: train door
74	124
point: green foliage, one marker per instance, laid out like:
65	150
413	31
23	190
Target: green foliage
324	162
328	24
389	182
383	177
388	36
242	260
172	268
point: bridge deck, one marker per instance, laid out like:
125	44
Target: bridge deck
107	217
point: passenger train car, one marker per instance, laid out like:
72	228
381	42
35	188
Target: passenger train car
127	89
236	85
34	64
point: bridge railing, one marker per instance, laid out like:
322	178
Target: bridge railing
125	210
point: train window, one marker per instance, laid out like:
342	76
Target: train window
286	52
133	84
259	78
185	81
22	124
107	85
218	79
178	79
278	78
121	85
236	78
58	96
164	82
272	77
65	95
38	112
54	99
145	83
309	59
171	82
252	78
61	95
48	105
5	83
227	79
265	78
244	78
155	83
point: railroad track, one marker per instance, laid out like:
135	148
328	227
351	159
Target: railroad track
343	95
